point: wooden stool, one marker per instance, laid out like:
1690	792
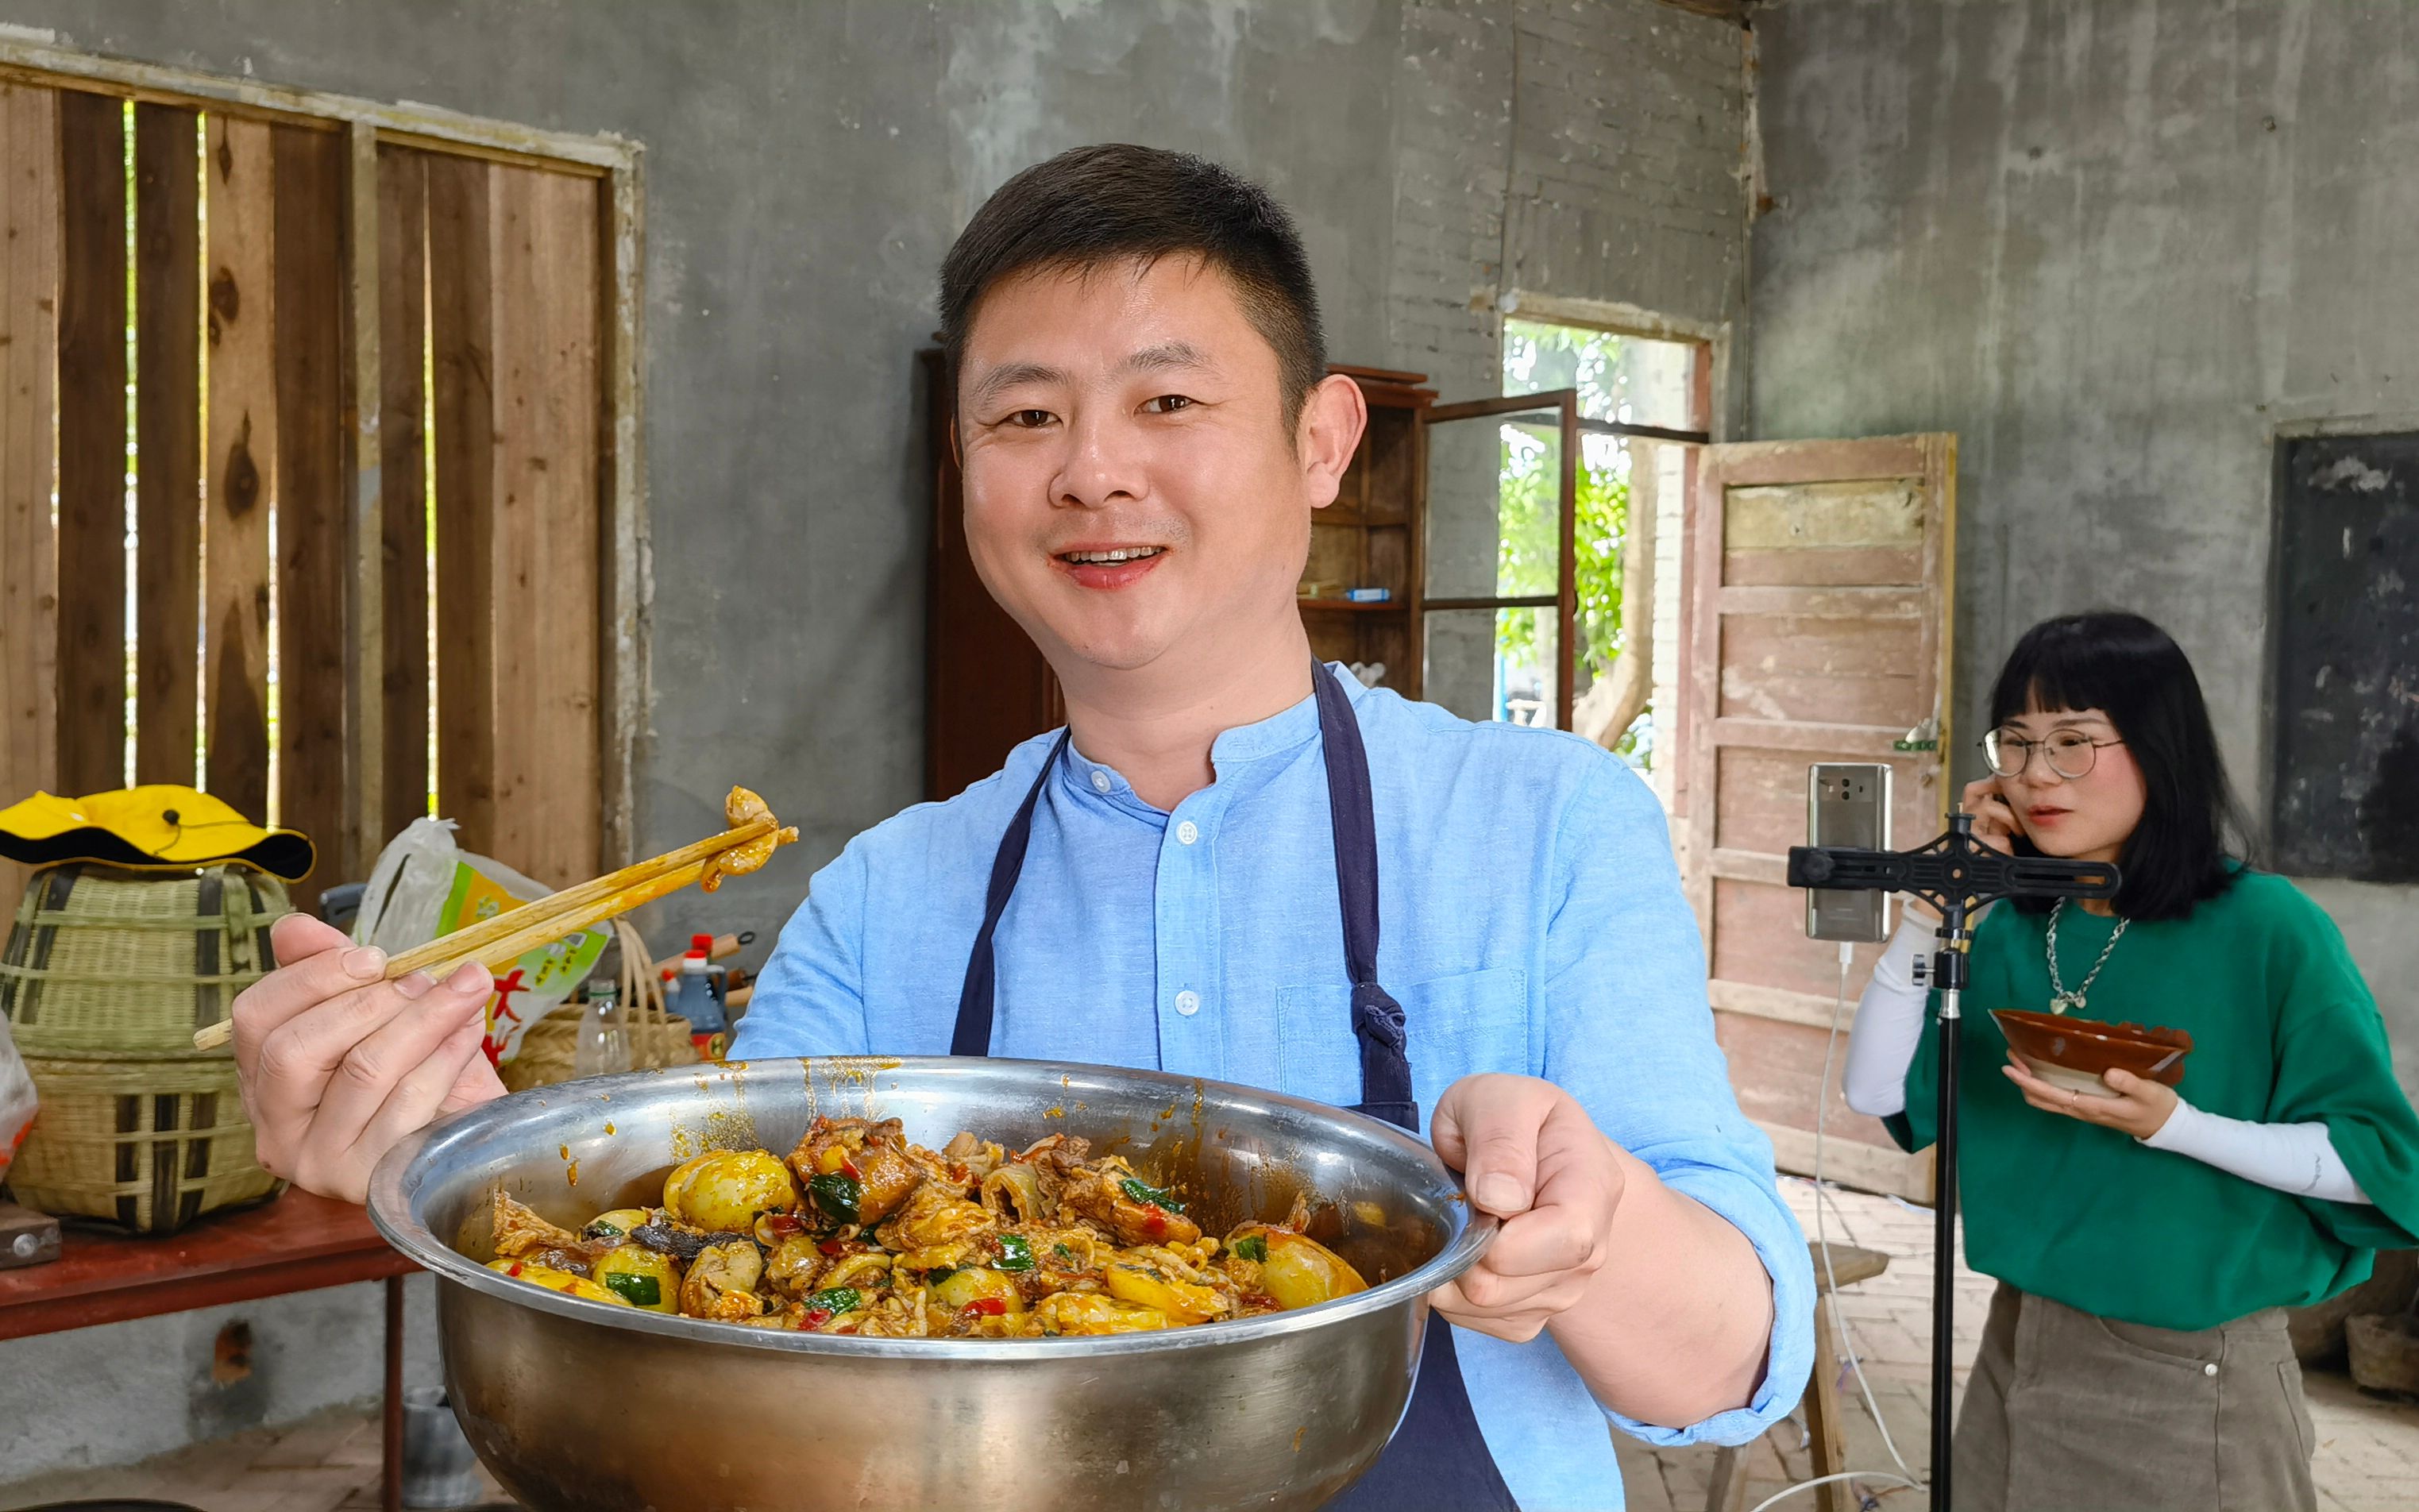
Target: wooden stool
1826	1440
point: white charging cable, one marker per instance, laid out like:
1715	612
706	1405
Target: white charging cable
1831	1276
1823	1198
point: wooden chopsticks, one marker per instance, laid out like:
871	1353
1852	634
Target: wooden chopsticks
498	942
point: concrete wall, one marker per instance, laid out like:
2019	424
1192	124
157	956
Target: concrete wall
2114	247
1582	151
807	164
123	1392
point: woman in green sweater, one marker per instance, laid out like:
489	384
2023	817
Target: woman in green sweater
2145	1239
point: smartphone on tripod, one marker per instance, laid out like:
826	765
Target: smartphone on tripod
1848	804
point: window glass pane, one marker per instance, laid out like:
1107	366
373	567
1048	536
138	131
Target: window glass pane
1636	380
1485	473
1492	664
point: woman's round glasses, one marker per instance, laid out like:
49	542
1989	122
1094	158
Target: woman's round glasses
2068	752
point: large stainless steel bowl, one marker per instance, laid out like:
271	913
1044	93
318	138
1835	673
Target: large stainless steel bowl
581	1406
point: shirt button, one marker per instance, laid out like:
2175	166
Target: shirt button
1188	1004
1099	780
2209	1370
1187	832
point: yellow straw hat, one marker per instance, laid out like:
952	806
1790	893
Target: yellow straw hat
155	826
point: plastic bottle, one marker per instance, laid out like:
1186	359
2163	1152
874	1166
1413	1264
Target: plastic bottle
692	996
604	1046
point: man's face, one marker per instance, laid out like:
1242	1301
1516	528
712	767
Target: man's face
1132	485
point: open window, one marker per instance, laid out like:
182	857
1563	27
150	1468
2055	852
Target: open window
1542	556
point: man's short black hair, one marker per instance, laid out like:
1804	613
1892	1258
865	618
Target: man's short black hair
1100	205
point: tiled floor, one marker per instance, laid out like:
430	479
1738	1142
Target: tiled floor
2367	1459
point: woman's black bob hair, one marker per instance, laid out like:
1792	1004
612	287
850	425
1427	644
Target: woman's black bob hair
2129	669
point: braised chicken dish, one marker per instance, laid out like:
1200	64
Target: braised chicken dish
860	1231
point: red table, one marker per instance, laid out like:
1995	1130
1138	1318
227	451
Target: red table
297	1242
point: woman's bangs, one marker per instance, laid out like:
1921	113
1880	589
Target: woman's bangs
2051	673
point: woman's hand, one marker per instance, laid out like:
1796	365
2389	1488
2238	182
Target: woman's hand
2140	1108
1994	818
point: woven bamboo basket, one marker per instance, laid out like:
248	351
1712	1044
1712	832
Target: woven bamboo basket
106	975
656	1037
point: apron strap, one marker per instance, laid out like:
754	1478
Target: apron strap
1377	1018
972	1035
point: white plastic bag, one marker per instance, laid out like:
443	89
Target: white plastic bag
425	886
17	1101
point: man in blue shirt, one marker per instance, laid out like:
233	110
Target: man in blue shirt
1237	864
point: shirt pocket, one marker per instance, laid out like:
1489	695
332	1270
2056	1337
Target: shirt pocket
1459	1025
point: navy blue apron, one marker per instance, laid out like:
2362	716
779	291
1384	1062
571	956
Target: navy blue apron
1437	1457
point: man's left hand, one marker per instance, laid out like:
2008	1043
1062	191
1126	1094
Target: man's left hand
2140	1108
1530	1155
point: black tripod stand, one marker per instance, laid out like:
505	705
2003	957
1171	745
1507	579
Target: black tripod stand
1955	876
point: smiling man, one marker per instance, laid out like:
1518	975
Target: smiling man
1239	864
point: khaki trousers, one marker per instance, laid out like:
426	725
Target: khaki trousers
2070	1412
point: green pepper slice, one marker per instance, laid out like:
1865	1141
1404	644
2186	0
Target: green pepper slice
637	1290
837	1196
1014	1254
1142	1191
1252	1247
837	1299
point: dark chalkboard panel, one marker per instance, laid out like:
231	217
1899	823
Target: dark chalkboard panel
2346	617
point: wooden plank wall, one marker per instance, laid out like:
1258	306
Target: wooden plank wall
240	174
252	349
313	482
92	443
29	265
167	438
462	343
545	319
403	481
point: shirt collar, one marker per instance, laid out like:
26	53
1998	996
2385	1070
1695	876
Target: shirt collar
1233	754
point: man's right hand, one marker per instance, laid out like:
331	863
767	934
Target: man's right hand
337	1063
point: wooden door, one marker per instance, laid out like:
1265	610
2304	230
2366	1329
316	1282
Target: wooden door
1819	600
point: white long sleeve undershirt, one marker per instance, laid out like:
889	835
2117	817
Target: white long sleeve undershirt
2299	1158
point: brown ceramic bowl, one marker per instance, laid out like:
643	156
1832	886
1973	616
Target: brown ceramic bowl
2072	1053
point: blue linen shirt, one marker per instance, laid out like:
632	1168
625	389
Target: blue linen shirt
1531	921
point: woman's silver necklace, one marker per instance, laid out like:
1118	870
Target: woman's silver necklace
2061	999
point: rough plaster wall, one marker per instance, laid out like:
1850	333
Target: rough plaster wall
2113	246
806	168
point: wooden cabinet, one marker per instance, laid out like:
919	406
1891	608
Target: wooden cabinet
1372	537
986	686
